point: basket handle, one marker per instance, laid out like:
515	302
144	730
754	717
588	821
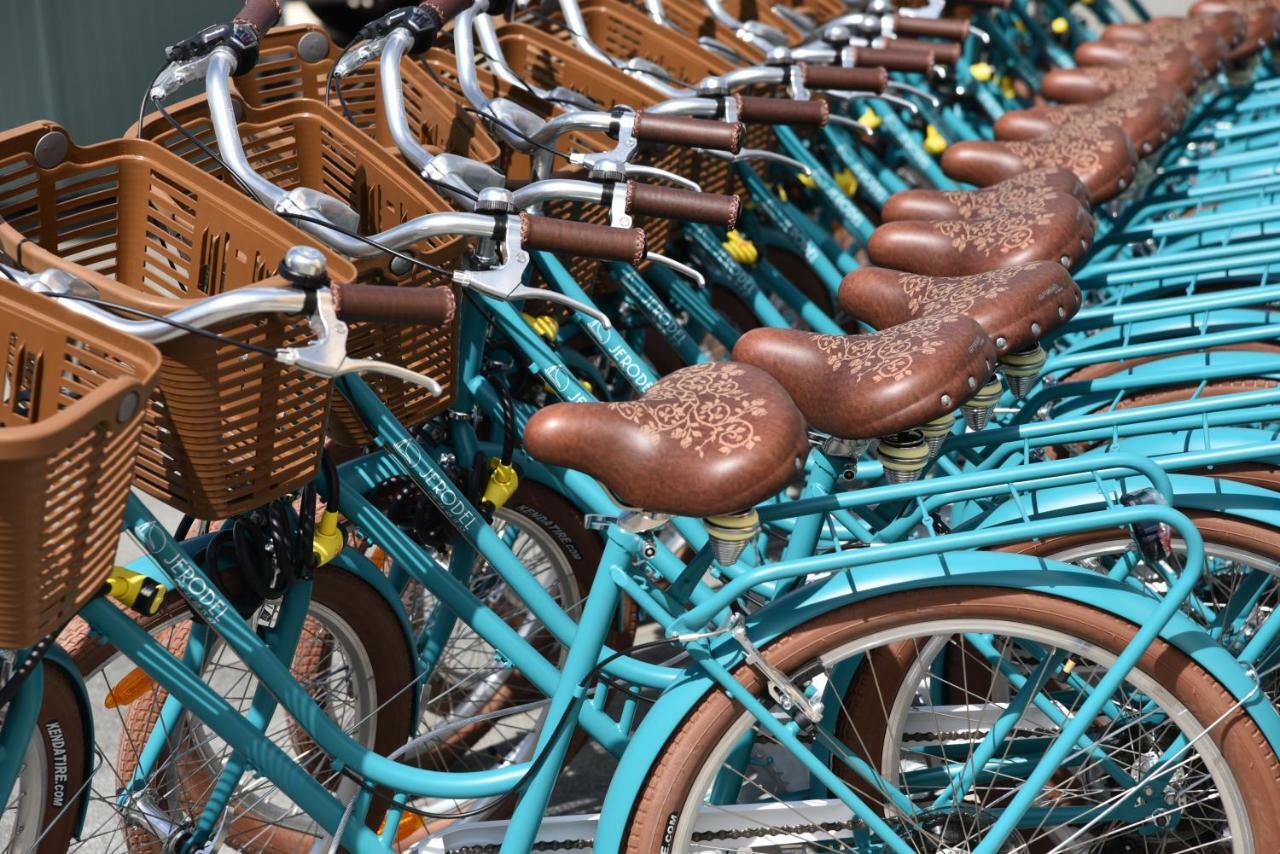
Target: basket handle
583	239
392	304
685	205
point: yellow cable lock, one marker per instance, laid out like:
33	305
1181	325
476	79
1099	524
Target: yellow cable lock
741	249
847	182
934	142
544	325
869	119
503	483
135	590
1060	26
328	538
982	71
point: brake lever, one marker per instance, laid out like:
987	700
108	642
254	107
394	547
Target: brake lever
918	92
327	355
747	154
178	74
802	22
505	281
367	51
718	47
636	170
852	124
909	106
680	267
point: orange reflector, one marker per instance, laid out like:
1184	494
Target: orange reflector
379	558
409	825
131	687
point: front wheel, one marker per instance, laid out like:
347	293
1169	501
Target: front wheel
908	693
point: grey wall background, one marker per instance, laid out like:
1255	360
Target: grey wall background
85	63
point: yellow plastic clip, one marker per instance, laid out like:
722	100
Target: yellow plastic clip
328	538
869	119
134	684
1060	26
1019	25
807	181
782	194
544	324
741	249
934	142
1006	88
503	483
135	590
982	71
847	182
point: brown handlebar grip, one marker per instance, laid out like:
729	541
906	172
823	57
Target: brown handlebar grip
944	53
783	111
847	79
683	130
953	29
262	15
583	239
684	205
390	304
894	59
447	9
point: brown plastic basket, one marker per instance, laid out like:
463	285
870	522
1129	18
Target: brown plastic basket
301	142
294	62
71	407
227	429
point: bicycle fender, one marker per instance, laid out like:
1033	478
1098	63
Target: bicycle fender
56	657
354	562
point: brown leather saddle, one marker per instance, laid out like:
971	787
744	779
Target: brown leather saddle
1101	156
868	386
1211	37
1037	227
1079	85
1017	306
1173	62
1262	22
1016	192
1144	117
702	441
